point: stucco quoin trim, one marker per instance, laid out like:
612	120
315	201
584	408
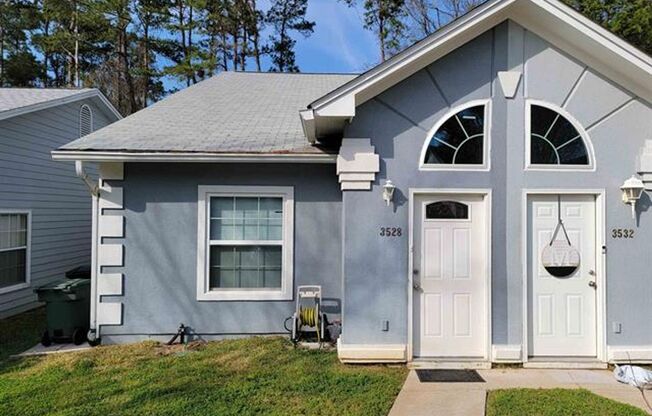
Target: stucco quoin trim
629	354
109	254
371	353
357	164
645	164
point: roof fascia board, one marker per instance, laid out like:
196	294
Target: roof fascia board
587	35
595	31
103	156
60	101
308	125
590	44
477	18
110	106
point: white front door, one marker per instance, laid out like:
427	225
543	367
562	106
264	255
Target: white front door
450	276
562	311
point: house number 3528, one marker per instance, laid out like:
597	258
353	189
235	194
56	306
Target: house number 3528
391	232
622	233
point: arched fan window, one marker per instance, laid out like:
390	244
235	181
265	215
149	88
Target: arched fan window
459	141
85	120
556	140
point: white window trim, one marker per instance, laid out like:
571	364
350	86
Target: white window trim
28	255
287	275
486	149
90	112
578	126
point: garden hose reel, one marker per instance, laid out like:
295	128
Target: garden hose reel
308	318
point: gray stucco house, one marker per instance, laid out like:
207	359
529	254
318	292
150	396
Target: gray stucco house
45	212
424	196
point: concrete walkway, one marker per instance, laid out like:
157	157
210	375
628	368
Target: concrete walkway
468	399
39	349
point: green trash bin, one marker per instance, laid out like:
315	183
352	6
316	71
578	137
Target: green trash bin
67	306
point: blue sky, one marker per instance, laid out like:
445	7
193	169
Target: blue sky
339	43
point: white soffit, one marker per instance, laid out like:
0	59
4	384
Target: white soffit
555	22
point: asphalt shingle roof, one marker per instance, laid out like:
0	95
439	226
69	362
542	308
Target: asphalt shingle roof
14	98
233	112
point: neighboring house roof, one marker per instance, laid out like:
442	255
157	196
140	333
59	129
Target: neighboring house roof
232	112
17	101
552	20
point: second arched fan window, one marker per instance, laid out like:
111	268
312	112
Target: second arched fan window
554	140
459	140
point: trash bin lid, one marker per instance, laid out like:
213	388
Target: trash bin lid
81	272
66	285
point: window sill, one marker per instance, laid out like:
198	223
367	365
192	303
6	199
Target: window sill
559	168
13	288
244	295
455	168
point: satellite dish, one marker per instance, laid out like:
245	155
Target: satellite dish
559	257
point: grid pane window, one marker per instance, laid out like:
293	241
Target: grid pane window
13	249
554	140
245	267
459	140
246	239
246	218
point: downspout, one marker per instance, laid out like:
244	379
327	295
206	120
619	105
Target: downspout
94	190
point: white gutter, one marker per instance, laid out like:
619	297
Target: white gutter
93	187
94	190
112	156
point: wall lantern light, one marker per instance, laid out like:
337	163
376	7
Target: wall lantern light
632	191
388	191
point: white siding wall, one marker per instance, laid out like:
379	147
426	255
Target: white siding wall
60	203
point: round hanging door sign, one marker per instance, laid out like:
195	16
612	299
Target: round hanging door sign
560	258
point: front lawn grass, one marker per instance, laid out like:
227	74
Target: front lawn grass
555	402
21	332
236	377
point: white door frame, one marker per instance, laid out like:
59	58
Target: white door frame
600	260
486	193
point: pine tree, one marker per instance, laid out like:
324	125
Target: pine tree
17	18
385	19
284	17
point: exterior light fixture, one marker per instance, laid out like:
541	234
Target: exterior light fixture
388	191
632	191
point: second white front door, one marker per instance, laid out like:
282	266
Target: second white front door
562	310
450	276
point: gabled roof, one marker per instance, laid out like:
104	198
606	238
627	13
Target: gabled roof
17	101
245	116
550	19
235	113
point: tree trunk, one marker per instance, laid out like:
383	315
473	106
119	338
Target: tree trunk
2	56
256	41
146	64
225	58
189	50
46	54
76	45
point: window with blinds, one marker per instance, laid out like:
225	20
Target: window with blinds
13	249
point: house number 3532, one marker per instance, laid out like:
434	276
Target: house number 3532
622	233
391	232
